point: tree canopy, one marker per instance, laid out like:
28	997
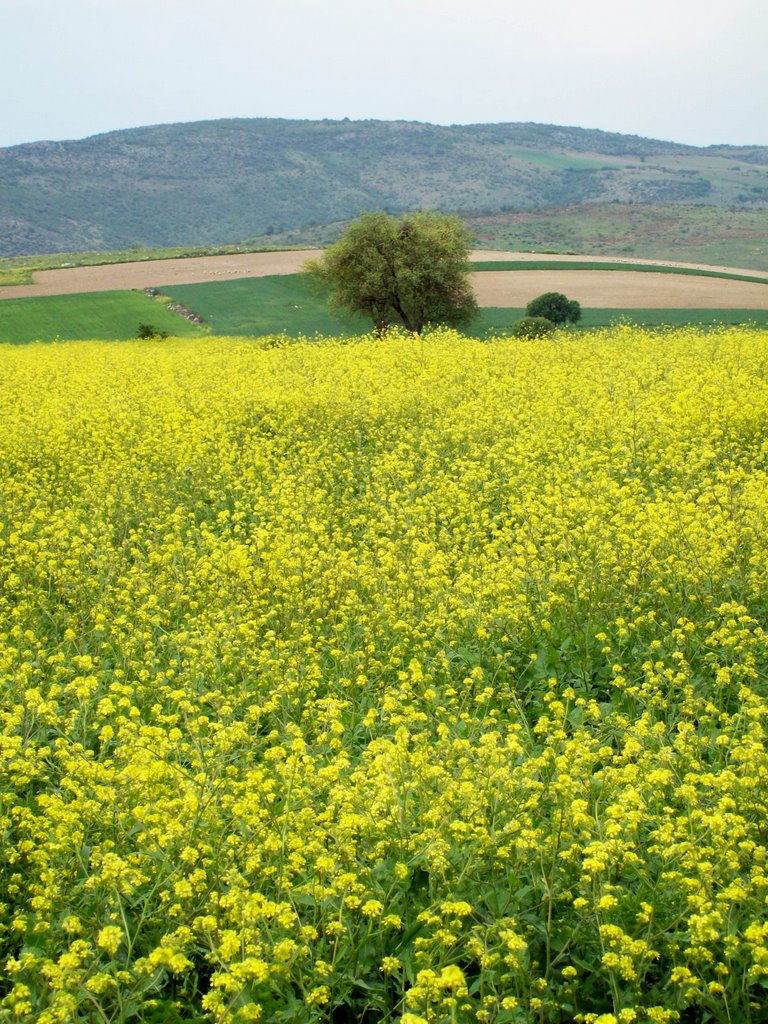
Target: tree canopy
555	307
410	272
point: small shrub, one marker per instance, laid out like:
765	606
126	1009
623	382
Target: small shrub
532	327
149	331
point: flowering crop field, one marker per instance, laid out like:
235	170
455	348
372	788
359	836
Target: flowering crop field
365	681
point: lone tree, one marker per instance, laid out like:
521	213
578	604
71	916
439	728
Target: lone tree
413	271
555	307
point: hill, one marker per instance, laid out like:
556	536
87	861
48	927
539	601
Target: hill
731	236
212	182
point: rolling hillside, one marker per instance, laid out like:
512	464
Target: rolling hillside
213	182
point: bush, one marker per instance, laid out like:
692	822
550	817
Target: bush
533	327
555	307
149	331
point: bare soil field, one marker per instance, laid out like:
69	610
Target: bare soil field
156	273
617	289
610	288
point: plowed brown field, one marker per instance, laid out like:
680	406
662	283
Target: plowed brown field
619	289
156	273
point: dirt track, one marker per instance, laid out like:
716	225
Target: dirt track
612	289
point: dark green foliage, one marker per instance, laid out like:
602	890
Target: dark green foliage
533	327
148	331
555	307
411	272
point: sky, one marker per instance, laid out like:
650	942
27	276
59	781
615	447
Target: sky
691	71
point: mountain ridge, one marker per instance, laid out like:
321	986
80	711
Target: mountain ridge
219	181
714	148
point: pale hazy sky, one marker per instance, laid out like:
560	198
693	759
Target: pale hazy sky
685	70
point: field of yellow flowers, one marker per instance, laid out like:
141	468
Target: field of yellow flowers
416	680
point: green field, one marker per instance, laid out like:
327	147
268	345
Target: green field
110	316
264	305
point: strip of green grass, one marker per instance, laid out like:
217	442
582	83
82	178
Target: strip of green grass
279	304
110	316
500	319
591	265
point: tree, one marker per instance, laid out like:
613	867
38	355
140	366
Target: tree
555	307
413	271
